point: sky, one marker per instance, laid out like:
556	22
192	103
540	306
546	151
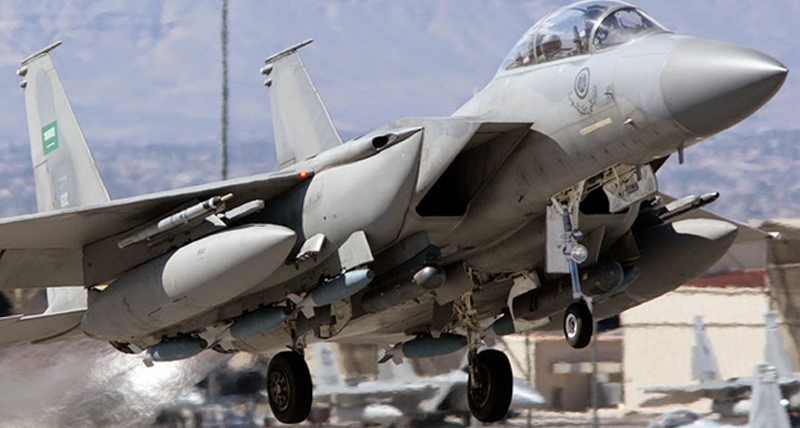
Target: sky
149	71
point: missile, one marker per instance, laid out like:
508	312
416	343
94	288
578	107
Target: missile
391	290
425	347
201	210
686	204
257	322
503	326
174	349
339	288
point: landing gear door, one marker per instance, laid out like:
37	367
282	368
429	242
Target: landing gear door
630	188
556	262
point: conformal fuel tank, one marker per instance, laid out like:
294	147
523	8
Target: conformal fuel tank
187	282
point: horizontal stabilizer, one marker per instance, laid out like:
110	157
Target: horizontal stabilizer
20	329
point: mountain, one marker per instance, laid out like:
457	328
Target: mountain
758	175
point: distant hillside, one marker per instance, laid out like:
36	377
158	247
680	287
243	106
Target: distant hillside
130	170
758	175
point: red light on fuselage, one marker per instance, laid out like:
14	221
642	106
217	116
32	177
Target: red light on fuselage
303	174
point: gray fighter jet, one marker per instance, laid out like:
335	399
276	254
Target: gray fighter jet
534	205
732	396
399	394
767	410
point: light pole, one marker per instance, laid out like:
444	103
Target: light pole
224	106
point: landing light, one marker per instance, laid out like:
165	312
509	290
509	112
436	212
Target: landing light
579	254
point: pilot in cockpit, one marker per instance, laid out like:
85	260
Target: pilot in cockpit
581	35
548	46
580	29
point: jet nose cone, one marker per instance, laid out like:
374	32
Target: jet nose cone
709	86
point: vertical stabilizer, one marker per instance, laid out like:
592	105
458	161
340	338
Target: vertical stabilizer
775	352
766	410
704	363
327	370
300	120
64	171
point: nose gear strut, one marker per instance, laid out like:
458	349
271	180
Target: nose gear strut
578	319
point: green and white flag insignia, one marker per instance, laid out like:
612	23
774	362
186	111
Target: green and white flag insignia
50	137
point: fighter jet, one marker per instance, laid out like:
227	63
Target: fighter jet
731	397
767	410
534	205
683	419
399	394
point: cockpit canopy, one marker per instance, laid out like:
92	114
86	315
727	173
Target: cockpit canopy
568	31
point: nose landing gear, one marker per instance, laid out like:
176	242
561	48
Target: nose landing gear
578	318
578	324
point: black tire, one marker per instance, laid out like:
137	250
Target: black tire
289	387
578	325
490	396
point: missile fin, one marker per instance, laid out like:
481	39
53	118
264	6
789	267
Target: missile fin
308	311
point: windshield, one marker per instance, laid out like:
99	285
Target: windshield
567	32
624	26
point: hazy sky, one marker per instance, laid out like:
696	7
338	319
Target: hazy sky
149	71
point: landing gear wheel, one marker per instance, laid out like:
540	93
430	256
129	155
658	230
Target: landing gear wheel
489	393
578	325
289	387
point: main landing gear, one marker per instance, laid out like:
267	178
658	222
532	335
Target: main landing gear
491	385
491	382
289	387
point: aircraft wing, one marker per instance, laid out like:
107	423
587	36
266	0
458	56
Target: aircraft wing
732	389
721	391
22	329
365	394
49	249
790	385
